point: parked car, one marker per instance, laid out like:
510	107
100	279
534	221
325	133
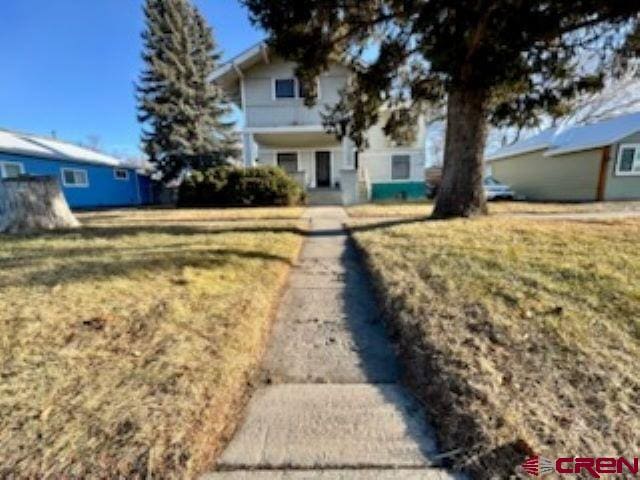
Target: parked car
494	190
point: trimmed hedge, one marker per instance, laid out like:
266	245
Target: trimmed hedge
233	186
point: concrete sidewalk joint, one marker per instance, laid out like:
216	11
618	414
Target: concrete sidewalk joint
331	406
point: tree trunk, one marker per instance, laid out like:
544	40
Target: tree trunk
461	193
29	204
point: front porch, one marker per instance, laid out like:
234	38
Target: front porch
323	166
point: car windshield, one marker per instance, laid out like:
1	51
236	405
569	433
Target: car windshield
491	181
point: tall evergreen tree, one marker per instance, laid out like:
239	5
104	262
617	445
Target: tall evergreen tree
213	133
182	111
503	61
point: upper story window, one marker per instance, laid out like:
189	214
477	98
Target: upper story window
11	169
285	88
628	159
75	177
289	88
400	167
121	173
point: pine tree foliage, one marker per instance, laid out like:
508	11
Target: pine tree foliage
214	132
506	62
182	111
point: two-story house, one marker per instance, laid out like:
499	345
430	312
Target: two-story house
280	130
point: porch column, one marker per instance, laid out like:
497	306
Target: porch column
248	150
347	154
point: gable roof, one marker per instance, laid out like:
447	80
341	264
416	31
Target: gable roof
232	69
558	141
595	135
541	141
42	147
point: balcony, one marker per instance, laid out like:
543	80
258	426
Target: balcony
282	115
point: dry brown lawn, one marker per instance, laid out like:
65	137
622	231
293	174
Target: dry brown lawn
190	215
423	209
520	335
126	347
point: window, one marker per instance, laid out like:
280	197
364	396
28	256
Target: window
628	159
285	88
288	162
72	177
290	88
121	173
11	169
400	167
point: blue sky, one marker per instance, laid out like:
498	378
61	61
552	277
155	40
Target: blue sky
69	66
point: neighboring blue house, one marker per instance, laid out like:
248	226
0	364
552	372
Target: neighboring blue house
89	179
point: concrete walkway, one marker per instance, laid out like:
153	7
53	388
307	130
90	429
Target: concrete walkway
331	407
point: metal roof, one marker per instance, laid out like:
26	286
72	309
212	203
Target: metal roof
558	141
53	149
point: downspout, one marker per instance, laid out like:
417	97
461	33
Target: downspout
602	176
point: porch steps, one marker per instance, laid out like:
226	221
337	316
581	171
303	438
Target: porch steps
324	196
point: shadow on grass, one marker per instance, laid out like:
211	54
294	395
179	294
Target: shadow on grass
88	262
90	232
370	224
462	440
114	231
128	230
366	227
365	322
462	437
137	261
145	221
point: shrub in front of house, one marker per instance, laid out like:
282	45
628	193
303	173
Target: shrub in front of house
233	186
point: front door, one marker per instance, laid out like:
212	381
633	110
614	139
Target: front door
323	169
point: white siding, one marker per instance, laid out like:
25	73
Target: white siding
379	141
377	158
262	110
378	164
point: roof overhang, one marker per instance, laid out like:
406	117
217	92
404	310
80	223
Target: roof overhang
563	151
285	129
27	145
578	138
513	153
230	72
588	146
293	137
63	158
